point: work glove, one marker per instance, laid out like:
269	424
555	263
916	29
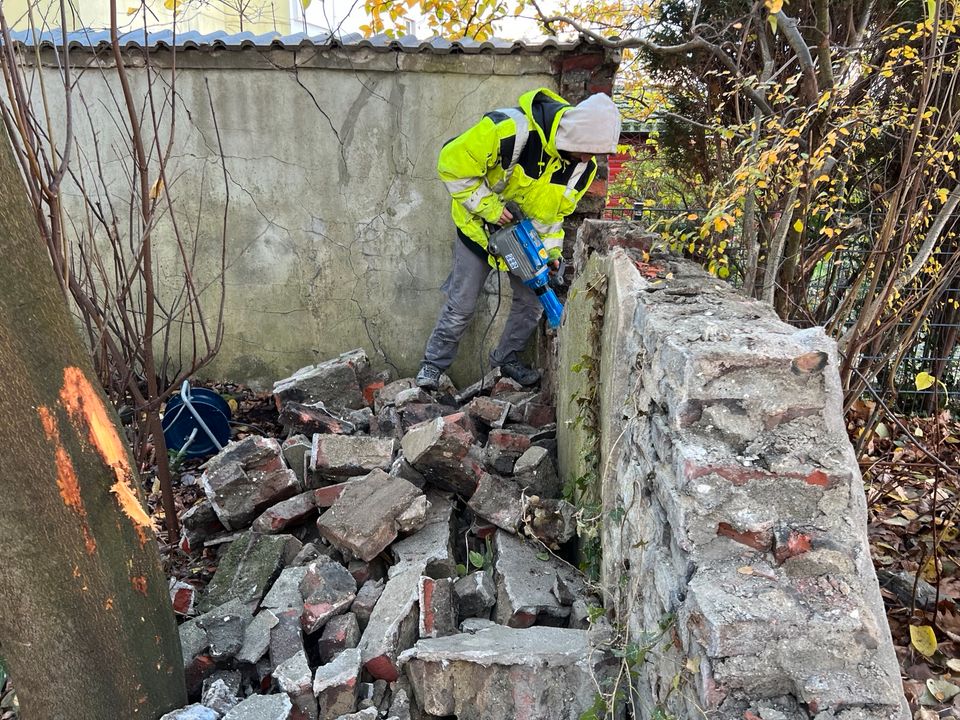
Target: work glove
554	260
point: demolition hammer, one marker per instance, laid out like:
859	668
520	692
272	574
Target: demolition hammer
519	246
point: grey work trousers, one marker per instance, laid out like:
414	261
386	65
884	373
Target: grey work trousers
462	289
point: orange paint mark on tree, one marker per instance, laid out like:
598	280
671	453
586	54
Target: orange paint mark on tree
66	476
85	407
140	584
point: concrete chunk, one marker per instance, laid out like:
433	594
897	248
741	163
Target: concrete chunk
340	633
387	395
292	511
476	594
293	676
286	637
393	625
262	707
285	592
525	579
437	447
198	524
221	691
327	588
504	448
256	638
246	478
499	501
347	456
431	547
337	683
246	570
363	519
535	472
541	673
335	382
366	600
225	627
192	712
365	714
295	450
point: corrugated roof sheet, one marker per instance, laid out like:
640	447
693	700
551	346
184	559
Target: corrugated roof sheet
95	40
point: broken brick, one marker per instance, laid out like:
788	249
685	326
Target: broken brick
363	519
438	610
789	543
288	512
340	633
757	539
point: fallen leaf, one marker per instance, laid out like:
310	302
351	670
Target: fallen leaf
923	639
942	690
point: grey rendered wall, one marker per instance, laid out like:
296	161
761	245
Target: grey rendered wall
339	234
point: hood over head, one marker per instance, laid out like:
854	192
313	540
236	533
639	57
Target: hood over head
592	126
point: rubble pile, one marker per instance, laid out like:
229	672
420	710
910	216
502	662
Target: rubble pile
391	558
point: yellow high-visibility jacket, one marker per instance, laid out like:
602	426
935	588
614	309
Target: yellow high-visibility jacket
510	155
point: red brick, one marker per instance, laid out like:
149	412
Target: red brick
371	390
757	539
508	441
586	61
486	409
183	595
790	543
601	86
598	187
326	496
382	668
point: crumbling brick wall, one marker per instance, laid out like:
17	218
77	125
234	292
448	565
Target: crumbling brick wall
733	513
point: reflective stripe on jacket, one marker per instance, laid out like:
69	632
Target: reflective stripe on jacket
510	155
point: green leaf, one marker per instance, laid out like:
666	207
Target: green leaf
476	559
931	9
924	380
543	556
461	569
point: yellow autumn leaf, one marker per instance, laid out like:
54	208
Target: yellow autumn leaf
923	639
774	6
304	4
157	187
719	224
692	216
942	194
924	380
798	226
171	4
132	10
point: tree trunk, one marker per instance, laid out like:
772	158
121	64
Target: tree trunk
85	619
